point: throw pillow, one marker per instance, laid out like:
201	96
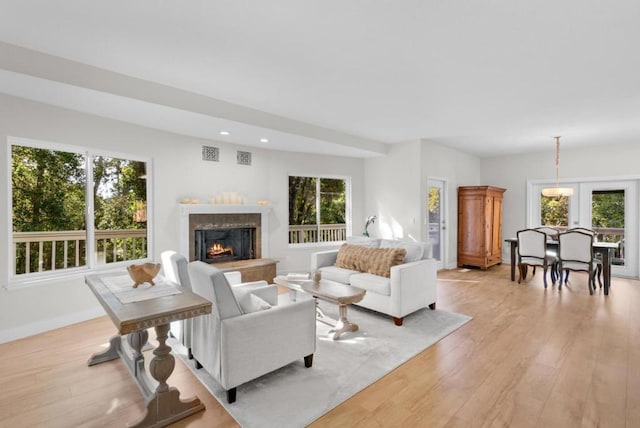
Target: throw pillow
249	302
376	261
352	257
382	259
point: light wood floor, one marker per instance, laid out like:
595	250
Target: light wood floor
529	358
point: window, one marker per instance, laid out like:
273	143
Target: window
74	209
554	211
317	209
608	213
560	212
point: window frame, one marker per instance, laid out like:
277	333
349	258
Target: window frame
35	278
534	206
347	208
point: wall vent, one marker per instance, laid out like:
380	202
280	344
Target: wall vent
210	153
244	158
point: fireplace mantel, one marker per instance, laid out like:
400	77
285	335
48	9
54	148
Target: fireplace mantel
185	210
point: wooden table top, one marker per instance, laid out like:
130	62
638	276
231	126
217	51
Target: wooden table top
130	317
596	244
325	289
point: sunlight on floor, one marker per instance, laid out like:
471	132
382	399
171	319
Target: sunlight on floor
115	403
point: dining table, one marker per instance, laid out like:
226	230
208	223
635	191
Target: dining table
605	249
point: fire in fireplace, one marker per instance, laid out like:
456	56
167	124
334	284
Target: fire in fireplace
225	244
217	250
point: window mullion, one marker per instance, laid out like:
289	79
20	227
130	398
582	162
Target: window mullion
90	243
318	209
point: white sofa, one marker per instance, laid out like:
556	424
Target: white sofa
410	286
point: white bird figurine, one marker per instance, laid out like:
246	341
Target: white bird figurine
370	220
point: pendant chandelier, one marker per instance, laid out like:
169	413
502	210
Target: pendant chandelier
557	192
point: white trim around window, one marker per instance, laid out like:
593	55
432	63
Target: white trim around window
37	278
348	212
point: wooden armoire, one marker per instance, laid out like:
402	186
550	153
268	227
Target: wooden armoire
479	226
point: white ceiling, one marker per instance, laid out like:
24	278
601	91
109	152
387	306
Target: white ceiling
487	77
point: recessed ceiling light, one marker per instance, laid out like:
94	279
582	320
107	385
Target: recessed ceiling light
225	133
264	140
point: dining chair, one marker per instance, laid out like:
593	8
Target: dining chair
576	254
551	232
552	235
532	251
596	257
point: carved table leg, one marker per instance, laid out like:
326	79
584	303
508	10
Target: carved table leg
165	405
322	317
137	341
111	353
343	325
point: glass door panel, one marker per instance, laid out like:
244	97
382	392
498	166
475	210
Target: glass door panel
436	220
609	209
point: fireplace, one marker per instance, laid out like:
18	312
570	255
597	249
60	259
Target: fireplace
224	244
251	223
228	224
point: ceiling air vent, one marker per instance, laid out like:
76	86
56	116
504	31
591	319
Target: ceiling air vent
244	158
210	153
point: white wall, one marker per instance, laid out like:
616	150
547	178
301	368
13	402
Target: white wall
396	189
392	192
178	172
458	169
512	173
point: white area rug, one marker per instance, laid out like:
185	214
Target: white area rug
295	396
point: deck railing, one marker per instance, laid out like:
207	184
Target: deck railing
612	234
47	251
609	234
312	233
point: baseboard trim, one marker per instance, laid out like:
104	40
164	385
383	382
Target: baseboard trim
49	324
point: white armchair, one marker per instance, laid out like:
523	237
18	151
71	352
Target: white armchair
243	338
175	269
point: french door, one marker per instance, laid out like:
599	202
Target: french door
611	209
436	219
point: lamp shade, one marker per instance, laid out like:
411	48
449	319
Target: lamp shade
556	192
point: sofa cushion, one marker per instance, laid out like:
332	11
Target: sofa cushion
377	261
426	250
372	283
414	249
364	241
338	274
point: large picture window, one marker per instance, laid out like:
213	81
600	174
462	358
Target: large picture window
317	209
75	209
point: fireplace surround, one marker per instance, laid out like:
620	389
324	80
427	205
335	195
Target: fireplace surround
239	224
